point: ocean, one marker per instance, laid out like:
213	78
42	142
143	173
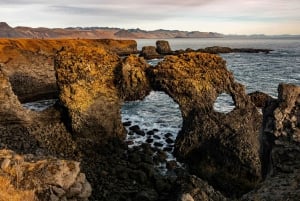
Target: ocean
256	71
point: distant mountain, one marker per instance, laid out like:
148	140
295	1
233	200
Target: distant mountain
98	32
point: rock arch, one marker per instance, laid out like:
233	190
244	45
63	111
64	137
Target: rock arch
222	148
218	147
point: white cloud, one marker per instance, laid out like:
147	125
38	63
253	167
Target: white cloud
214	15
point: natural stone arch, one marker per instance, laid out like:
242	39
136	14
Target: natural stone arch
211	143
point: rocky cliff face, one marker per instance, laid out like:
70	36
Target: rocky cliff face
280	147
29	63
131	79
222	148
86	81
37	134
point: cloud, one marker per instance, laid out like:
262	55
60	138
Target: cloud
153	14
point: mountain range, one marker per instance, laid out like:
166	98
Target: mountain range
7	31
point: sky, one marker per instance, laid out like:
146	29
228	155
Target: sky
271	17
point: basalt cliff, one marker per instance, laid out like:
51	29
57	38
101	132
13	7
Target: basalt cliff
227	156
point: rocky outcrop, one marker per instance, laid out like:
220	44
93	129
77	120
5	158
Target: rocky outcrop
163	47
86	81
31	132
50	179
221	148
131	79
281	147
260	99
149	52
29	62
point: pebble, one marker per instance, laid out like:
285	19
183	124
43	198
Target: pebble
168	149
158	144
150	132
127	123
167	135
156	137
149	140
134	128
169	141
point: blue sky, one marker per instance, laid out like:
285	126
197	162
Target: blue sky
223	16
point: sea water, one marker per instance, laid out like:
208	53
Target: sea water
257	71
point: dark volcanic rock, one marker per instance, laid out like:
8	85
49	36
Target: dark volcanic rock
281	147
149	52
191	188
222	148
163	47
260	99
86	80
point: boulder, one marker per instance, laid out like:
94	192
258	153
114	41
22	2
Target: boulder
87	91
280	147
132	82
221	148
45	177
149	52
163	47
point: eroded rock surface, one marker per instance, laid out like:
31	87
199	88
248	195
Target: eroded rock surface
86	81
29	62
281	147
50	179
132	80
260	99
222	148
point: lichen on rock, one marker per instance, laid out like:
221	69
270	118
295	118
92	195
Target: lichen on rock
86	81
132	80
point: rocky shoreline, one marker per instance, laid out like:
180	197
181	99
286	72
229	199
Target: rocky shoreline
241	155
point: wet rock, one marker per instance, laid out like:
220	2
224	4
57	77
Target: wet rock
168	149
163	47
158	144
134	128
167	135
127	123
156	137
169	141
222	148
150	132
149	140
